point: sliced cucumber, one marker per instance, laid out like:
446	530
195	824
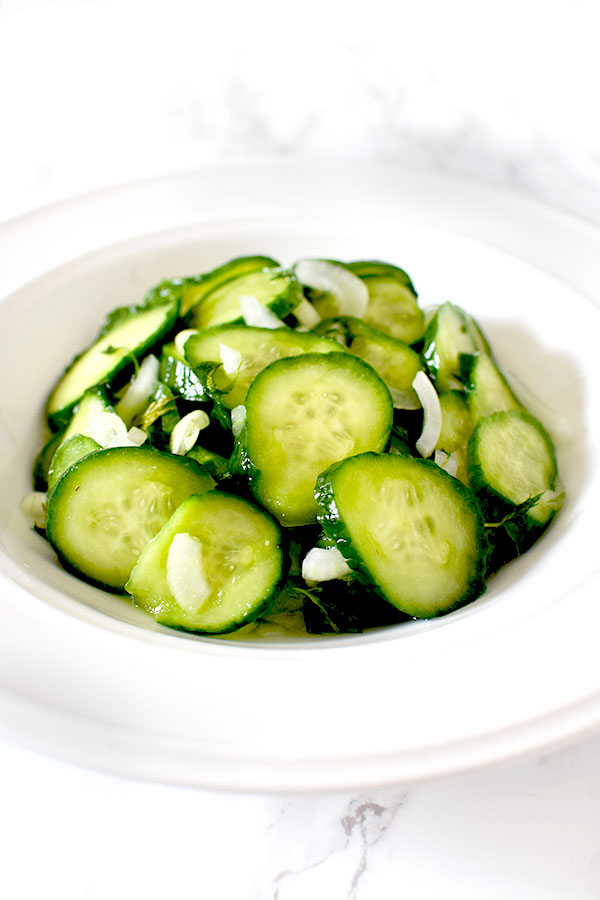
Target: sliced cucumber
456	422
94	403
374	268
213	567
392	306
213	463
258	347
107	506
70	452
512	462
456	430
303	414
43	461
393	360
450	333
276	289
196	287
487	389
129	335
411	529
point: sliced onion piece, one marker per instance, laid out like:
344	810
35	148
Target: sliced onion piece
186	573
182	337
257	314
185	434
321	564
307	314
136	436
350	292
135	399
109	430
34	506
238	417
231	359
432	414
446	461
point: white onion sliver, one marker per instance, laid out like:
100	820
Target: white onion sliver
186	573
257	315
350	292
142	386
109	430
182	337
447	461
34	506
238	417
137	436
322	564
307	314
185	434
432	414
230	358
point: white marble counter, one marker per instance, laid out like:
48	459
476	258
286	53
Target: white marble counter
102	91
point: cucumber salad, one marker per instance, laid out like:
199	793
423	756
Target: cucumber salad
260	449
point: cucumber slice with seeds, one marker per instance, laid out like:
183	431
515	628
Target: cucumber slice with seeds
257	346
413	530
107	506
213	567
393	306
303	414
393	360
511	462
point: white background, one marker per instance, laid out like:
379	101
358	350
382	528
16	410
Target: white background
93	93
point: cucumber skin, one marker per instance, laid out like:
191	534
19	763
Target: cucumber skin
71	567
373	268
520	531
335	529
58	419
229	271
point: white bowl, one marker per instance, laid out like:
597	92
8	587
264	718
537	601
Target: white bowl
86	676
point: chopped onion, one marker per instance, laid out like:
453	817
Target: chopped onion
34	506
322	564
257	314
109	430
185	434
238	417
136	436
307	314
186	573
432	414
350	292
182	337
446	461
231	359
135	399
